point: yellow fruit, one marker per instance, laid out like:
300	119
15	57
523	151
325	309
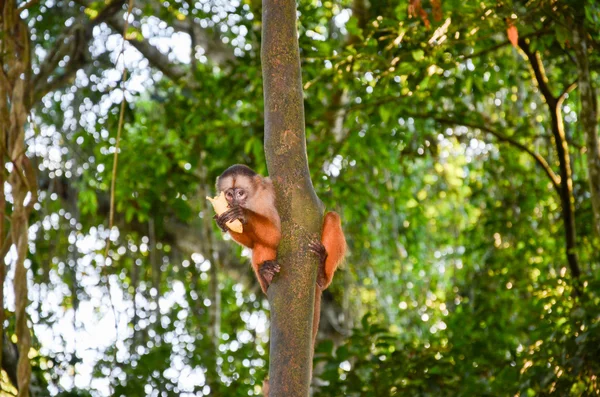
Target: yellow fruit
220	205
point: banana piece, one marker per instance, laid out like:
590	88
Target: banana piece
220	205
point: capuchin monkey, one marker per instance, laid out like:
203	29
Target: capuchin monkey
251	199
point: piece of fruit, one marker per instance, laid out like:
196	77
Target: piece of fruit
220	205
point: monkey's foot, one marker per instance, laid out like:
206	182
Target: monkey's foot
266	271
319	249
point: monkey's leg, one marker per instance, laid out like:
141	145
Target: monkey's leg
266	271
318	248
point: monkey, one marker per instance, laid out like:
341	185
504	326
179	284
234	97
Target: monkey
251	199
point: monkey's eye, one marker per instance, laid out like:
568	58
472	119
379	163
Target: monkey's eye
228	194
240	193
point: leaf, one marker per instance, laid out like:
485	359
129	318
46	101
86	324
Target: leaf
342	353
418	55
325	347
353	27
385	113
562	36
365	321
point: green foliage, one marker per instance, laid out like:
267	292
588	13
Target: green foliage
456	273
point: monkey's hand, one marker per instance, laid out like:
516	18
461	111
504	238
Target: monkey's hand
221	224
318	248
266	272
231	214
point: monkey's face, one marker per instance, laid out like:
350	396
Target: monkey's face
237	189
236	196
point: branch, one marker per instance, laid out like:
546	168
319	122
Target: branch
562	150
566	92
74	43
60	81
539	72
501	137
27	5
116	21
151	53
504	44
219	53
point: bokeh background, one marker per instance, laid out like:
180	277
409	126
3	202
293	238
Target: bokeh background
427	130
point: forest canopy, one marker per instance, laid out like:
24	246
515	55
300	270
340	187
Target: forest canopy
458	140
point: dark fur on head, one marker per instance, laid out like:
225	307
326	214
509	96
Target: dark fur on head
234	172
238	169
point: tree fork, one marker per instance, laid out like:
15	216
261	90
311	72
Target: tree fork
292	293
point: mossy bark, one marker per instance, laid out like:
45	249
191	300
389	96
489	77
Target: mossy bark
291	295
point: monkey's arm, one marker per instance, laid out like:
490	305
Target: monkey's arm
266	235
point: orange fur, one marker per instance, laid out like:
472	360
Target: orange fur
262	236
334	241
332	237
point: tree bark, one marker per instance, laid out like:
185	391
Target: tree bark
15	85
588	116
566	187
292	293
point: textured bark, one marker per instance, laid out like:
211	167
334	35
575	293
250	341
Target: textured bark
4	117
15	85
588	116
564	159
291	295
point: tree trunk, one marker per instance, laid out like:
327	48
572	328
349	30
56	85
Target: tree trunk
588	116
565	188
15	85
292	293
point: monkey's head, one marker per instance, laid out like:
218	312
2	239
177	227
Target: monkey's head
239	183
